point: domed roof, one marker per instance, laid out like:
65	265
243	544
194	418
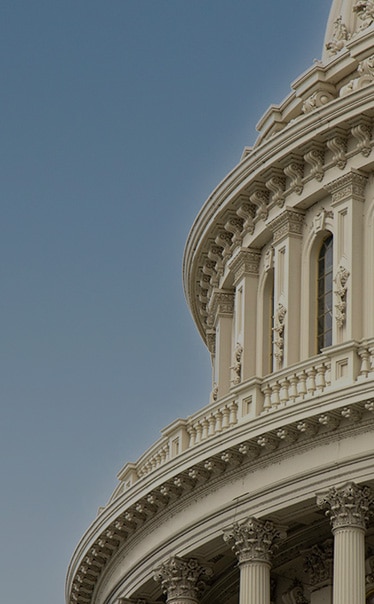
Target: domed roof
347	18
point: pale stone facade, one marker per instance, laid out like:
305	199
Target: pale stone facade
266	494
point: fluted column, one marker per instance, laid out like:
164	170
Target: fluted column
253	542
348	510
181	579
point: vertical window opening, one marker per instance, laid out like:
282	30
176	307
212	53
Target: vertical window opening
325	294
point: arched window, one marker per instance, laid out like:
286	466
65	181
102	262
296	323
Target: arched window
325	294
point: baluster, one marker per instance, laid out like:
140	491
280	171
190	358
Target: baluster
205	425
212	425
302	384
226	415
275	400
320	378
267	398
292	393
199	430
284	385
219	421
233	418
311	381
192	434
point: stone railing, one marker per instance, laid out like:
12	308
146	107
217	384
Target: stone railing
338	367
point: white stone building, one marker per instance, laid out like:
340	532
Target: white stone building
265	494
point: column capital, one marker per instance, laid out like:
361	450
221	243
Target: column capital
347	506
221	303
181	579
351	185
245	262
290	222
254	540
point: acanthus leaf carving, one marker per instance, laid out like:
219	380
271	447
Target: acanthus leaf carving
348	505
365	12
254	539
182	578
364	77
317	99
318	563
279	325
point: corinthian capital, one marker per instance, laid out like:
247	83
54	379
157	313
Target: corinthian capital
348	505
181	580
253	540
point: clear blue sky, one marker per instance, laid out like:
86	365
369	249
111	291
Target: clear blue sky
118	117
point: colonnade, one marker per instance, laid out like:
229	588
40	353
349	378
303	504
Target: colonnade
254	541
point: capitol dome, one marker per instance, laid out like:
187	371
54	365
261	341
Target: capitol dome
266	495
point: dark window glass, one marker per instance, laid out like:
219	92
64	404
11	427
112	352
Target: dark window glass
325	294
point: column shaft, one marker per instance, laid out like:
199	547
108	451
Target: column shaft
254	583
349	566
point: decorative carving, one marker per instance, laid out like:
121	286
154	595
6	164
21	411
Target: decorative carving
211	340
347	505
269	259
224	240
316	100
237	368
289	222
319	221
215	254
295	172
247	212
365	12
277	186
341	293
279	319
254	540
340	36
235	227
315	157
365	77
182	579
260	199
215	392
369	567
338	147
318	563
295	595
362	132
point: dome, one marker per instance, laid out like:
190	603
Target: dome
265	495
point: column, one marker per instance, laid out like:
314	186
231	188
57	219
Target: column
287	231
348	510
181	579
253	542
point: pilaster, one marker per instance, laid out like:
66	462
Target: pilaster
245	268
287	231
221	312
348	195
